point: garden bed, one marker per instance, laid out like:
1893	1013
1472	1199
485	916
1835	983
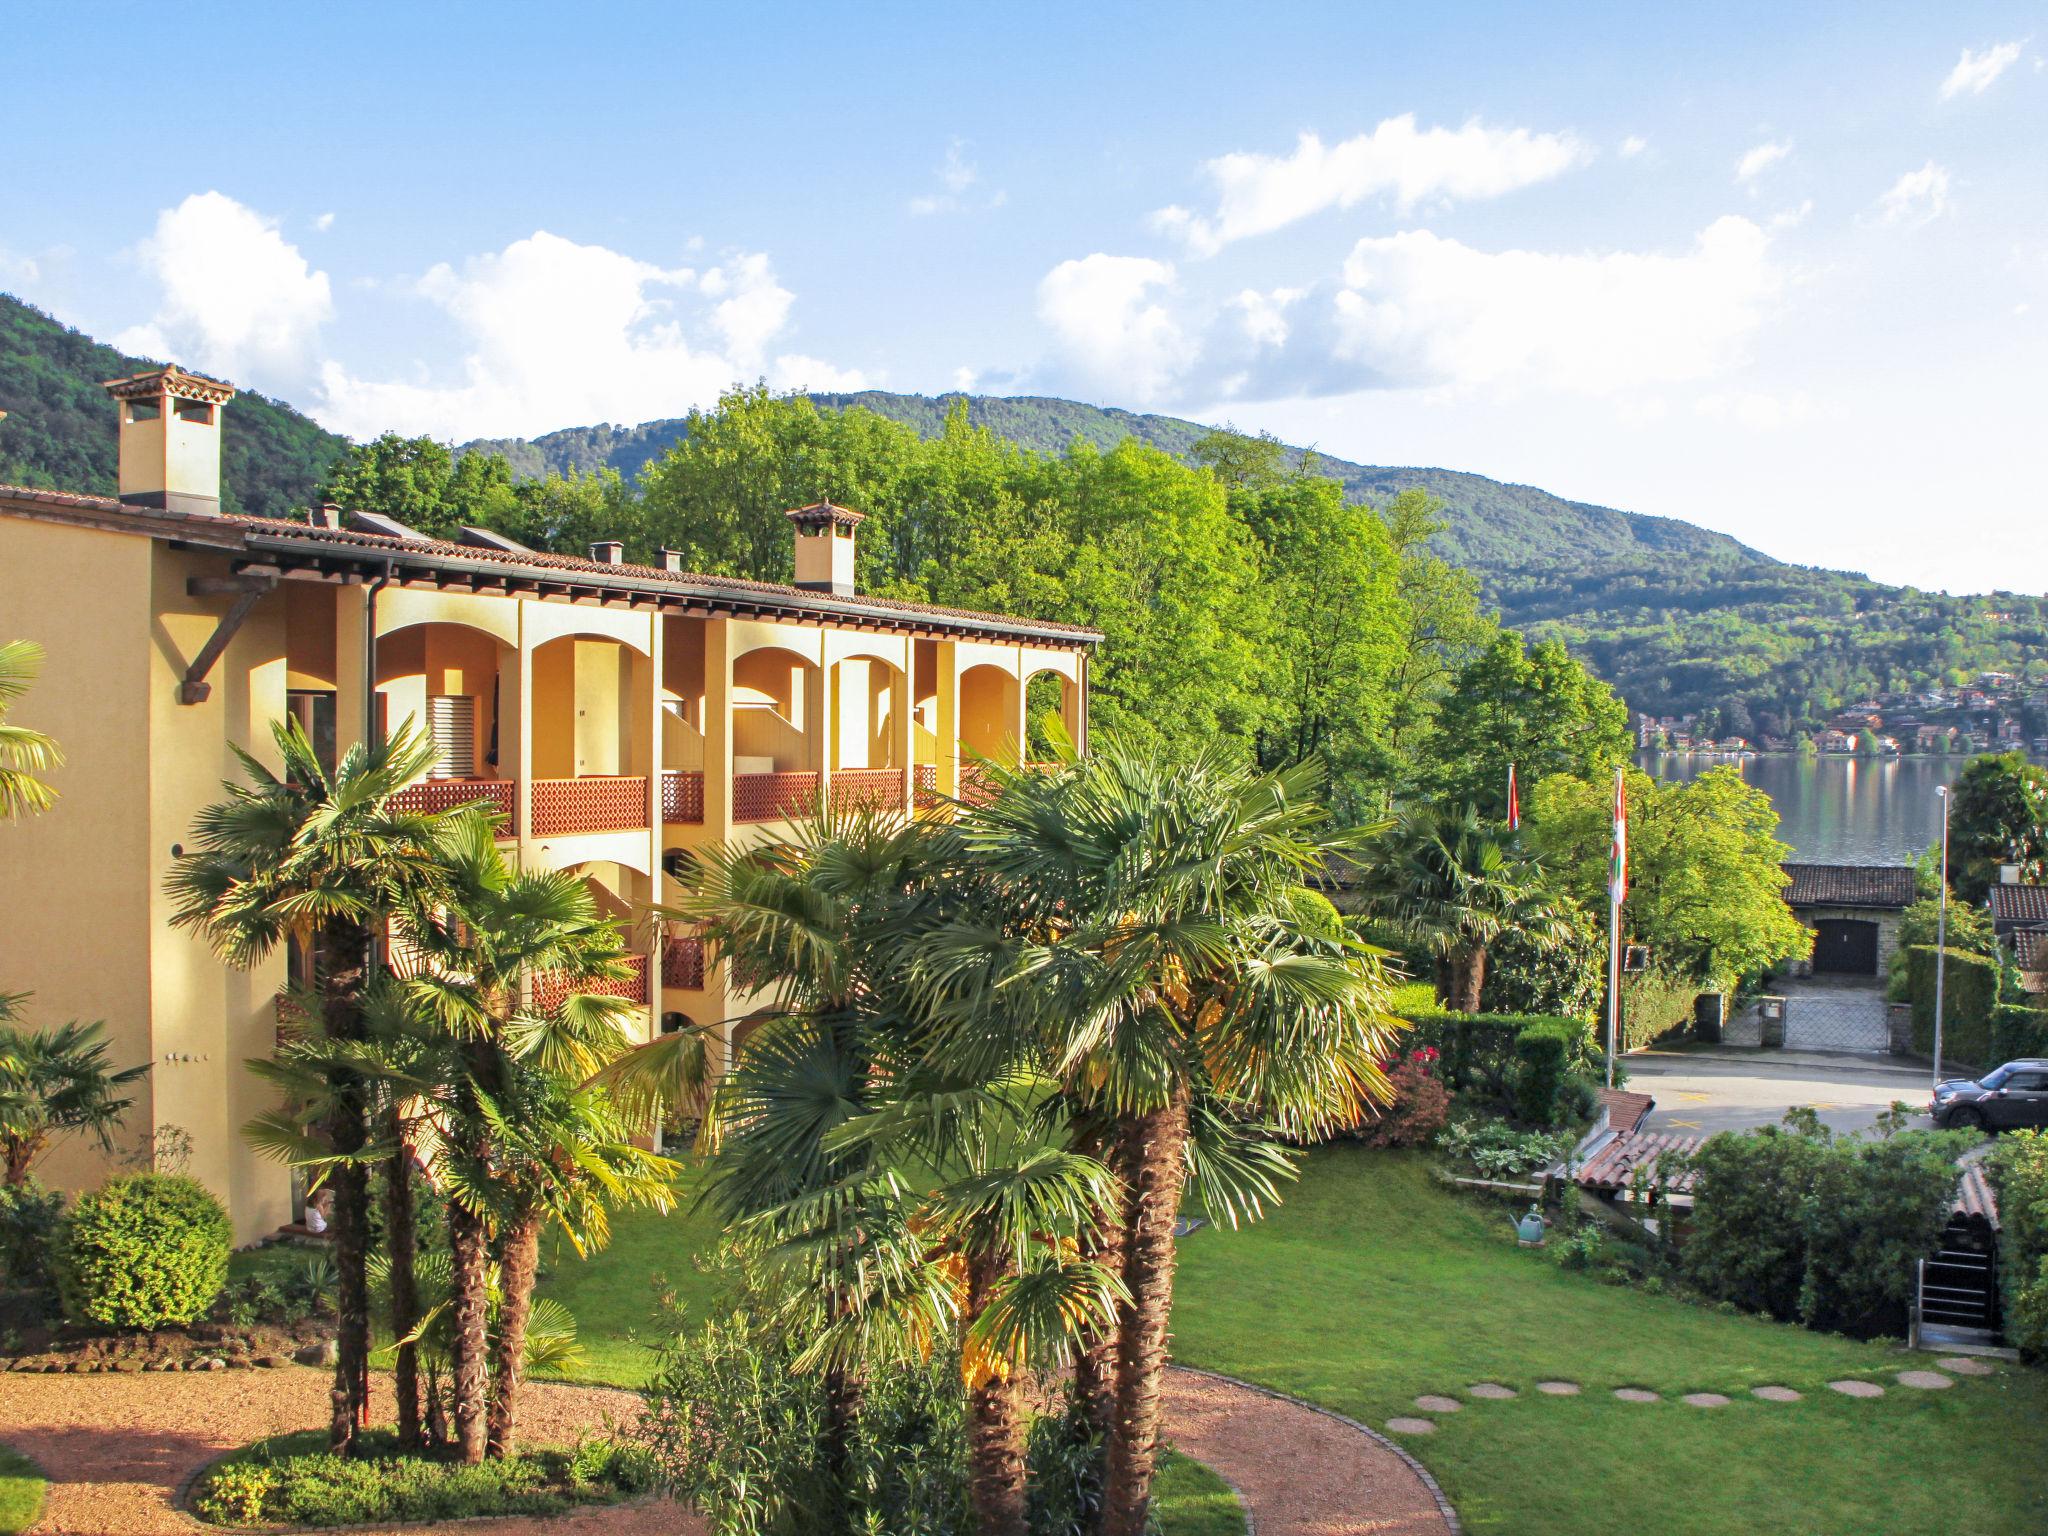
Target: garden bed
195	1347
291	1482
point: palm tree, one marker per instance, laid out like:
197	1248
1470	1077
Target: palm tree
1176	967
23	753
54	1083
322	861
1451	881
516	1146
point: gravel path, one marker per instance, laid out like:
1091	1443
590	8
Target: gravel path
1302	1471
117	1449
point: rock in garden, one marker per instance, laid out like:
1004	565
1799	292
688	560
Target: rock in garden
319	1352
1856	1388
268	1362
1635	1395
1775	1394
216	1365
1963	1365
1926	1381
1491	1390
1429	1404
1705	1400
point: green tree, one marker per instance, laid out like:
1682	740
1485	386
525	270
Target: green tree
1451	882
56	1083
1531	706
321	862
1705	868
1241	461
1998	815
24	753
423	484
1439	626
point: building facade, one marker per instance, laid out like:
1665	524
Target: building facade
614	715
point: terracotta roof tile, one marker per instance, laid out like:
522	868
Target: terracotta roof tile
1974	1196
1851	885
1626	1111
484	559
1612	1168
2019	903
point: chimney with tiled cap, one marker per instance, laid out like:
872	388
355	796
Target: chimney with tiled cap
608	552
170	438
824	547
672	561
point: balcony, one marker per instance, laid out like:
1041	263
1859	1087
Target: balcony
682	797
867	789
773	796
551	988
589	804
430	797
682	964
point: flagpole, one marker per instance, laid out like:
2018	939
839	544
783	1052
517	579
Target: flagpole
1614	896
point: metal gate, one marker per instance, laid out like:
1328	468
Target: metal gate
1821	1014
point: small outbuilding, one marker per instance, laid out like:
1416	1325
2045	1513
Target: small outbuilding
1854	912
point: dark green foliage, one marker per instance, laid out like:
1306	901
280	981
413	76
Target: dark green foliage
1565	978
1969	993
2018	1170
2018	1029
29	1218
1825	1230
1999	816
1532	706
1748	1242
1482	1053
142	1251
60	428
1541	1049
1968	929
1655	1003
293	1480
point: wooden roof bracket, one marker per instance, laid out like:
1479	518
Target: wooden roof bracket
249	589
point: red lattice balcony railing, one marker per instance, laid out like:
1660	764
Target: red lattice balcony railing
551	988
867	789
977	787
430	797
592	804
682	796
682	964
292	1023
772	796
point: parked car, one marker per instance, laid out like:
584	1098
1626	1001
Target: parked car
2015	1094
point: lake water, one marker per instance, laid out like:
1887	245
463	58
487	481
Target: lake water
1838	810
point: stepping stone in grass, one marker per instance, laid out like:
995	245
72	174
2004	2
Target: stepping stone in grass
1491	1390
1963	1365
1558	1388
1856	1388
1926	1381
1775	1394
1705	1400
1438	1404
1636	1395
1412	1426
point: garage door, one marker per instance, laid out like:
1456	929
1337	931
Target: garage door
1844	947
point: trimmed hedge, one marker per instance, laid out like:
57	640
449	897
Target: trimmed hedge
1542	1048
2017	1030
2018	1170
142	1251
1482	1052
1970	993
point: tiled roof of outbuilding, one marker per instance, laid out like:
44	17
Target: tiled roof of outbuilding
1625	1111
1612	1169
1975	1197
2019	903
1851	885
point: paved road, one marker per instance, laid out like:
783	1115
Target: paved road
1701	1092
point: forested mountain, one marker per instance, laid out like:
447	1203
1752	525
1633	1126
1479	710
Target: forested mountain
1677	617
59	431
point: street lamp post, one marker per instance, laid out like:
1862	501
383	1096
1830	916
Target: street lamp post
1941	934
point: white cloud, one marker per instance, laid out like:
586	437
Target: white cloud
324	223
1788	218
1632	146
1260	193
560	334
1420	310
957	177
1756	409
236	295
1110	329
963	378
1264	315
1761	159
1917	197
1975	71
793	370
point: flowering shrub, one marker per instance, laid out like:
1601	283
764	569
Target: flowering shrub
1420	1108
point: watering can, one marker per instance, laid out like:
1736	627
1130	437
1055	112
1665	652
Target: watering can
1529	1230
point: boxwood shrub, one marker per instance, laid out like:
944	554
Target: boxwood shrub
144	1250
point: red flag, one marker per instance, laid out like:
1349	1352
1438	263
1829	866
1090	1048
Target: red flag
1514	802
1617	886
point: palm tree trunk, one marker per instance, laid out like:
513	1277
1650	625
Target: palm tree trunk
518	1262
996	1424
1095	1365
469	1254
1157	1154
1470	979
400	1235
21	1156
345	956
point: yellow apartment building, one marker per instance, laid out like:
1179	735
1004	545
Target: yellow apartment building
614	714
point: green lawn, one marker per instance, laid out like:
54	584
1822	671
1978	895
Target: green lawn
21	1492
1193	1501
1372	1284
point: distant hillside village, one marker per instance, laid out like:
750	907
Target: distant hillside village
1999	712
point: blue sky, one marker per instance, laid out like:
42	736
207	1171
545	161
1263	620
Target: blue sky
1784	275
